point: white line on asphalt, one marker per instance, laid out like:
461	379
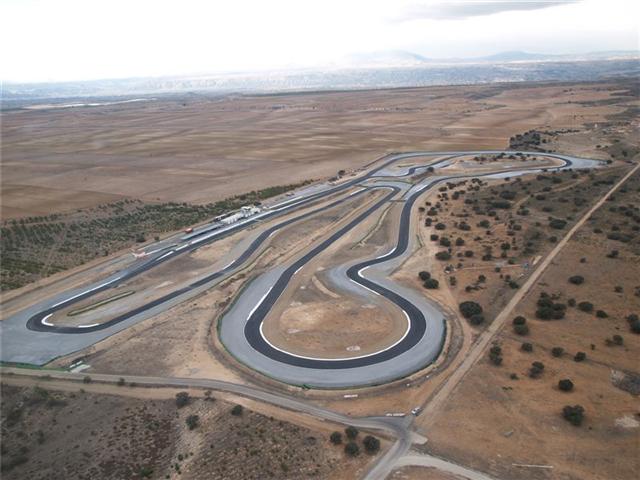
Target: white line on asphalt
164	255
44	320
81	293
363	269
88	326
259	303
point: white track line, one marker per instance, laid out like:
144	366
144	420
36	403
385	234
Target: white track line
164	255
259	303
44	321
81	293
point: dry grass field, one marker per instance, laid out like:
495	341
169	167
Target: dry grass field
198	149
137	433
522	410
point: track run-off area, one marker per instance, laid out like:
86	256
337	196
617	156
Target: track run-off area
33	335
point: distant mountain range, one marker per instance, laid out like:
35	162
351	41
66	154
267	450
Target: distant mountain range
390	69
396	58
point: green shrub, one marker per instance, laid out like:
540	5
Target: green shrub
192	421
444	255
557	223
351	432
526	347
470	308
431	283
182	398
585	307
519	320
536	369
371	444
548	309
576	279
236	411
352	449
573	414
565	385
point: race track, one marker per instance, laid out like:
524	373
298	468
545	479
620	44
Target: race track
32	337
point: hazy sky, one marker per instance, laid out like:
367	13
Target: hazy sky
89	39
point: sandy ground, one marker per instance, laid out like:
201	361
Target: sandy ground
200	150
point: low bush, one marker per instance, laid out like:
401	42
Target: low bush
565	385
536	369
576	279
351	432
580	357
192	421
526	347
336	438
182	398
573	414
521	329
470	308
585	307
519	320
371	444
548	309
444	255
352	449
431	283
557	223
237	410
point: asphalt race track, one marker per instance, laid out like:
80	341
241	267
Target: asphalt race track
30	337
